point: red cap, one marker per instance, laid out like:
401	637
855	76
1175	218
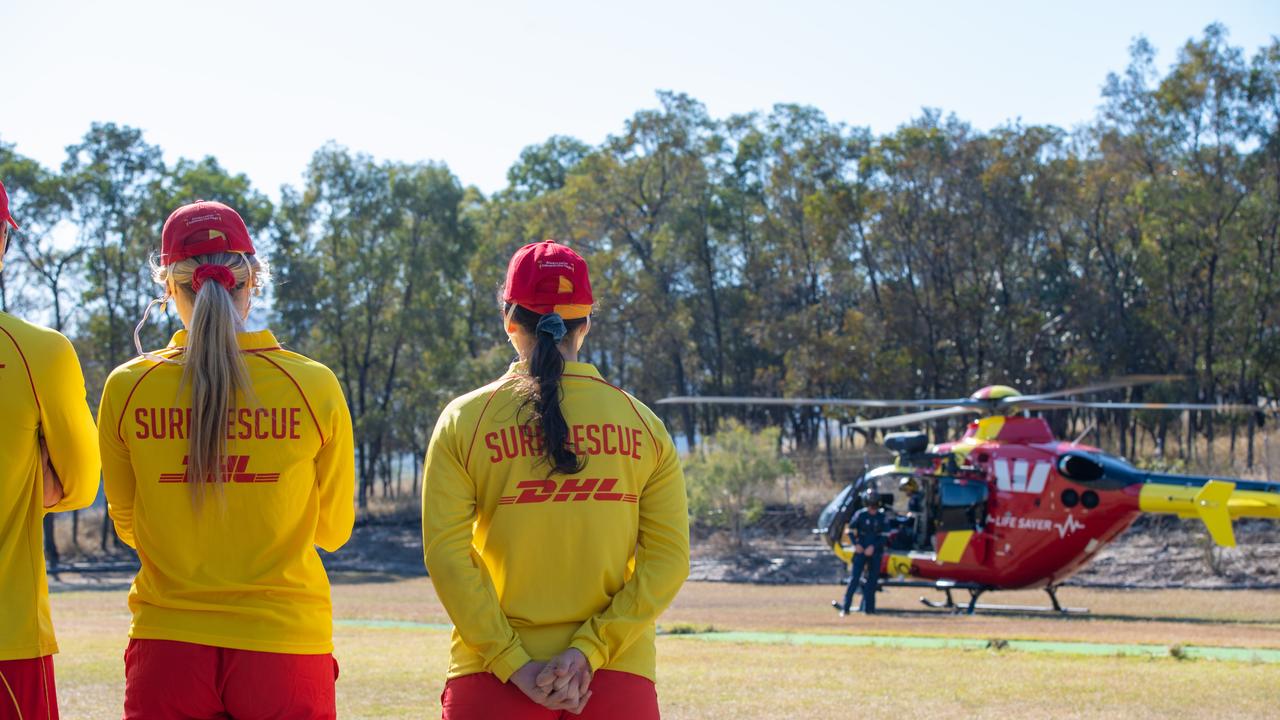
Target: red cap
548	277
202	228
4	208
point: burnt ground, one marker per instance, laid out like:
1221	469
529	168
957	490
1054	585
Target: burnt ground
1166	552
1157	552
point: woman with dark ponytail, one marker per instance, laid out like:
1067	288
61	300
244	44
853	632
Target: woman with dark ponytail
554	519
226	461
540	388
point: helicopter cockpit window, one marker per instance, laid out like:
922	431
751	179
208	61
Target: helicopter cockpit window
828	518
963	504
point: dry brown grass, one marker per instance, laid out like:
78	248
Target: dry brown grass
702	680
398	672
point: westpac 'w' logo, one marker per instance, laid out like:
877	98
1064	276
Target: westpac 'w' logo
1021	475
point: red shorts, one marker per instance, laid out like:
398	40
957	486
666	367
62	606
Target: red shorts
166	679
614	696
27	691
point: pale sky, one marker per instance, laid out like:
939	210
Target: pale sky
261	85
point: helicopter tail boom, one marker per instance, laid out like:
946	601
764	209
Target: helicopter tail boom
1217	502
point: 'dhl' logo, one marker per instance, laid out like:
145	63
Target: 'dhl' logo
567	490
235	469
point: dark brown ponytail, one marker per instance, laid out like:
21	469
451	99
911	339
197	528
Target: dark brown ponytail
540	390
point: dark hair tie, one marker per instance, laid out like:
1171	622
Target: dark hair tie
552	324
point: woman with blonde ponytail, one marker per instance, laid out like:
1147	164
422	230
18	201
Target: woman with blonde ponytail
226	461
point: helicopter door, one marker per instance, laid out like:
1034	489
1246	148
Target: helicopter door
962	504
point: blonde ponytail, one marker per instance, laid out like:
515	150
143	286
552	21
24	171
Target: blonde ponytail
212	364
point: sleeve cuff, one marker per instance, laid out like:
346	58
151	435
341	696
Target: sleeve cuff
506	665
594	657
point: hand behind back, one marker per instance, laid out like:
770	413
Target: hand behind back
561	684
52	489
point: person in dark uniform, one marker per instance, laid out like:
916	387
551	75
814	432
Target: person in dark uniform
867	531
915	498
915	520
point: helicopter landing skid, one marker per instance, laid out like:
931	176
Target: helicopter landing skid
976	591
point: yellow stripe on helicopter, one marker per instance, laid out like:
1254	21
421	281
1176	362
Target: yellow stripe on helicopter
953	546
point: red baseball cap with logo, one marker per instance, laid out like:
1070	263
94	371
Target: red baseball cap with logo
202	228
4	208
548	277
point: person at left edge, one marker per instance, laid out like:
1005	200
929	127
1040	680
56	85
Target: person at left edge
226	460
48	463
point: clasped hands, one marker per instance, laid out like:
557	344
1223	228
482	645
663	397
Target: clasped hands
558	684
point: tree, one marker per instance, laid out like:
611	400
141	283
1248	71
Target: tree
369	260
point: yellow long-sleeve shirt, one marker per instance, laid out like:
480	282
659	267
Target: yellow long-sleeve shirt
240	570
43	396
528	565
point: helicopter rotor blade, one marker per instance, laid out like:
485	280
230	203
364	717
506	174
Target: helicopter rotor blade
1114	384
911	418
1176	407
800	402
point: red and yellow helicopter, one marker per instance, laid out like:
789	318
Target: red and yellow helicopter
1009	506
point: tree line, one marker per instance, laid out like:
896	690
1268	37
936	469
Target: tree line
768	253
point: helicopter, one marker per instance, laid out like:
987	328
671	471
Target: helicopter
1008	505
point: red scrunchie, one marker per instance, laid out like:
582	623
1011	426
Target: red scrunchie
220	274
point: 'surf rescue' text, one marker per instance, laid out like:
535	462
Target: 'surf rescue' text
172	423
524	441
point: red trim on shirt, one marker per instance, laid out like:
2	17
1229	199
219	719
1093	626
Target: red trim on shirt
466	464
30	378
124	408
629	402
305	401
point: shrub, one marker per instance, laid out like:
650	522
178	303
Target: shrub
729	474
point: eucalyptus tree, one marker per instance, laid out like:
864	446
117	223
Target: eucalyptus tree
371	263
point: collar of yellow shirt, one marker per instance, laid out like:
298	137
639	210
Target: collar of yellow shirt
570	368
258	340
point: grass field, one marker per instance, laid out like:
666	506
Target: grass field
396	670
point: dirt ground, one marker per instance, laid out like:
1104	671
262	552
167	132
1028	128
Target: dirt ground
1244	618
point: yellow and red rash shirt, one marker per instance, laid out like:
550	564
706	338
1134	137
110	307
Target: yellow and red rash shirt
240	570
529	564
43	393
